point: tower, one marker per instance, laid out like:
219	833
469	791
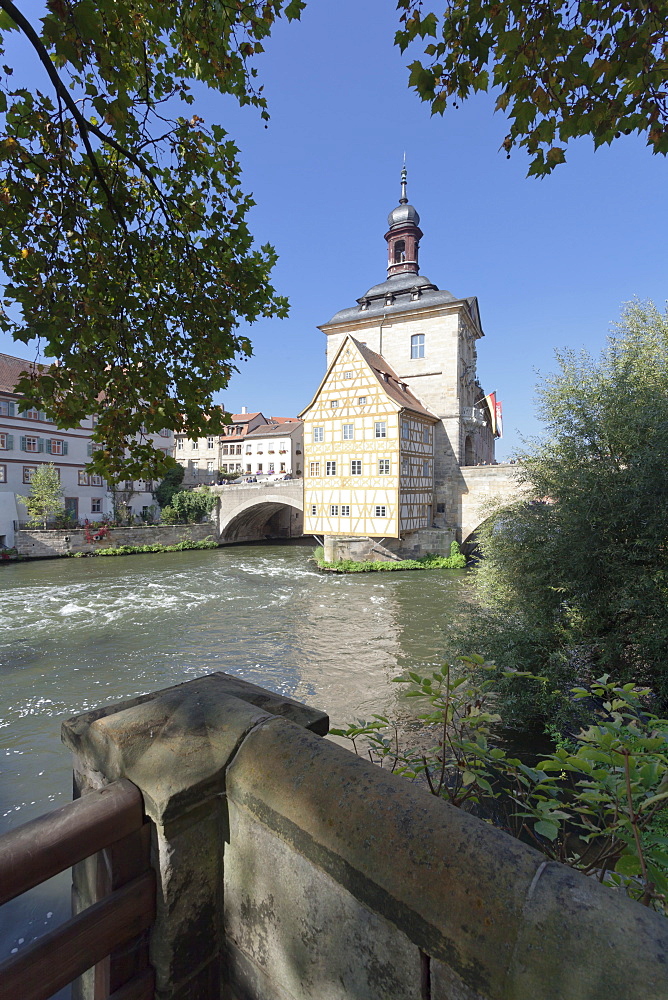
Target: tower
427	338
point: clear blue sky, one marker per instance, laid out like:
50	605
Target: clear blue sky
551	261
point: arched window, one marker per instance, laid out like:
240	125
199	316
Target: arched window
399	251
468	451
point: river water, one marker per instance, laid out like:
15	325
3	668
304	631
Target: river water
79	633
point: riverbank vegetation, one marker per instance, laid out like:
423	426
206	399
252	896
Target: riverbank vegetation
129	550
573	582
454	561
189	506
596	802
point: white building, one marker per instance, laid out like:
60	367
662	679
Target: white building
275	448
203	457
28	439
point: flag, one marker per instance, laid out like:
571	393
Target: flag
499	419
490	400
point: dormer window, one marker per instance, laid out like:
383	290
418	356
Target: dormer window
399	251
364	304
389	299
415	293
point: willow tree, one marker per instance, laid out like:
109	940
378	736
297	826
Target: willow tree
124	240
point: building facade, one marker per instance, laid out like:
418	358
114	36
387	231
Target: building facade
369	451
274	449
28	439
202	457
423	342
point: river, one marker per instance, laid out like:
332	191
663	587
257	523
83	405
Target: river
80	633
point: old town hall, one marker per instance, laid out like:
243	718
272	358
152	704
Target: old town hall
398	412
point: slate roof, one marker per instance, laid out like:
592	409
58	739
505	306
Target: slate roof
11	370
391	383
401	288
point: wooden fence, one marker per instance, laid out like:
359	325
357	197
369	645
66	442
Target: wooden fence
112	934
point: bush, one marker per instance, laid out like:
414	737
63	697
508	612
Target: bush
191	506
128	550
594	803
168	516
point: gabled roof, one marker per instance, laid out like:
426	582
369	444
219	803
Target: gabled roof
11	370
275	430
243	418
390	382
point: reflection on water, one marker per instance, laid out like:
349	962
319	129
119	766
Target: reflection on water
79	633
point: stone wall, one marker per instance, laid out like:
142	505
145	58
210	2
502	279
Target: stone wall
412	545
290	869
36	544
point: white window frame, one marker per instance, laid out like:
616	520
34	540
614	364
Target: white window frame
380	510
380	429
318	435
383	467
330	467
333	403
333	510
314	510
348	432
345	510
356	467
417	346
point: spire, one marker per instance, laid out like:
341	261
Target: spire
403	238
403	200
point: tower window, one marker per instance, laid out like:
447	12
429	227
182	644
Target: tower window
399	251
417	345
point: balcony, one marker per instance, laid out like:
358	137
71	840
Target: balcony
474	416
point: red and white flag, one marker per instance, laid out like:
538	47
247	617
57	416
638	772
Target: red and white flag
499	419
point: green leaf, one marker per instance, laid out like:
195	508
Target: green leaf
546	829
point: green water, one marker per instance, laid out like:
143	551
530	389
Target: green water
79	633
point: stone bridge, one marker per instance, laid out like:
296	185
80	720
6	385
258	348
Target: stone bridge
475	490
258	511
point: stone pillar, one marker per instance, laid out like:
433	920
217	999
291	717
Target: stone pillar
175	745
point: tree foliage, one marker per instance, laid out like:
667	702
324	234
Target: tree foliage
189	506
124	240
596	803
46	495
560	69
168	486
574	583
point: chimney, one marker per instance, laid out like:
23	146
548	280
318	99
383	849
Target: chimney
244	409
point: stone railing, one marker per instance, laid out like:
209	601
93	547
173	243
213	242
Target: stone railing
290	869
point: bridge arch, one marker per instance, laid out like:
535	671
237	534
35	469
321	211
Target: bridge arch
267	515
484	488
